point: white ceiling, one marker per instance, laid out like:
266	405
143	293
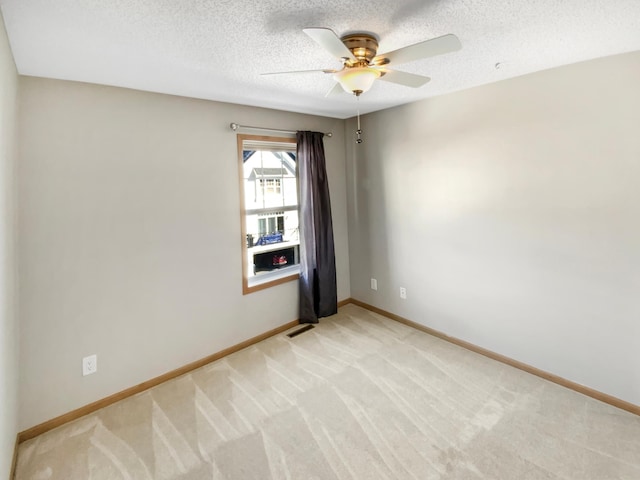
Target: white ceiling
216	49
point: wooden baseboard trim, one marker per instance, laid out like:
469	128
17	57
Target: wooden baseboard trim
589	392
14	461
344	302
92	407
116	397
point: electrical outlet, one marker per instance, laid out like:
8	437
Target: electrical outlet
403	293
374	284
89	365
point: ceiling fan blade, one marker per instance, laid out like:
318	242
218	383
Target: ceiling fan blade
335	90
404	78
300	71
429	48
328	40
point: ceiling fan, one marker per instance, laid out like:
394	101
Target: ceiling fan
361	65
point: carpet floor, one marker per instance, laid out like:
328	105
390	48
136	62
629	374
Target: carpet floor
358	397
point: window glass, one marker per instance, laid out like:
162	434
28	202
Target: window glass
271	237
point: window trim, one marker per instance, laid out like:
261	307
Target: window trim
282	276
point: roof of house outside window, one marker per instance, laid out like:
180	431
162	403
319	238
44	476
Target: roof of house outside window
269	172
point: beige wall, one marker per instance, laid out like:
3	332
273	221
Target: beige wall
130	237
511	213
8	319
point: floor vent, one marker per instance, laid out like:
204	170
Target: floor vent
299	331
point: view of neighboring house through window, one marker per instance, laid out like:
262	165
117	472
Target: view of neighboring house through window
271	236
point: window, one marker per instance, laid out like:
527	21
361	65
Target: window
270	186
270	223
269	209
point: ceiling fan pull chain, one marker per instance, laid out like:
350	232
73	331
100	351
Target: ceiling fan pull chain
358	131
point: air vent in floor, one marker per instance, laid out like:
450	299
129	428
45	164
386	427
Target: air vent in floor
300	330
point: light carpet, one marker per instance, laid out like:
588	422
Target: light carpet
358	397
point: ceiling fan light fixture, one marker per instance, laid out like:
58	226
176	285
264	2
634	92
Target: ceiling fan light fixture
356	80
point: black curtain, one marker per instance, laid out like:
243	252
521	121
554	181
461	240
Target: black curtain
318	290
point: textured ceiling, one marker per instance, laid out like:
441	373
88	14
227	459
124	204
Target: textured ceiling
216	49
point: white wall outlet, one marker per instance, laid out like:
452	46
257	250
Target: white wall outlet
403	293
374	284
89	365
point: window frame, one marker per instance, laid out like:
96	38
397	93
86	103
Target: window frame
274	279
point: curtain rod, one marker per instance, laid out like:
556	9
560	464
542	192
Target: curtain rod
235	127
